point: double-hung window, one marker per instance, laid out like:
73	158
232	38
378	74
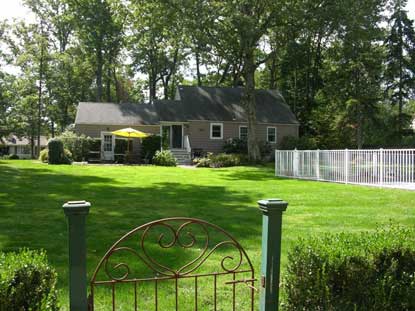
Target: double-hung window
271	134
243	132
216	130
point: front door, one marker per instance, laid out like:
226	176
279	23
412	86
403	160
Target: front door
177	136
107	145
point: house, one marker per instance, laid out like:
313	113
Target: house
20	146
198	119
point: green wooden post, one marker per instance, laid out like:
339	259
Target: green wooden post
272	210
76	211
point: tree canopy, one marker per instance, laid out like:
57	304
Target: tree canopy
346	68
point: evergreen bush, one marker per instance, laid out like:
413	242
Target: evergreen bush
350	271
27	282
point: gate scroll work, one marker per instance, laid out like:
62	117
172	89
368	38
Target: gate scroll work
174	264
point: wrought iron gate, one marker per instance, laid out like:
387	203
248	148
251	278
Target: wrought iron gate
160	259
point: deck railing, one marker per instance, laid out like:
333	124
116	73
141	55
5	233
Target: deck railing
383	167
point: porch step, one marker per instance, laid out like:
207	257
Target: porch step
182	156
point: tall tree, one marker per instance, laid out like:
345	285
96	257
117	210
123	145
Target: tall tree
237	29
29	47
400	61
69	73
353	71
100	26
156	44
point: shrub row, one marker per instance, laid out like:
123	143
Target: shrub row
221	160
240	146
78	145
366	271
27	282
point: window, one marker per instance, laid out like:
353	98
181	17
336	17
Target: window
108	143
216	130
271	134
243	132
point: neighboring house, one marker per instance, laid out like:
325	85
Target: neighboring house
199	119
20	146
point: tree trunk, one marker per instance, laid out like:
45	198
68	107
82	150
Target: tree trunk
108	77
52	128
272	74
152	87
39	108
99	74
117	86
199	78
248	100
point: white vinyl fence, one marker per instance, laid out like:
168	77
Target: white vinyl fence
380	167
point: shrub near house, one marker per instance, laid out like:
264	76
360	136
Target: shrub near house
56	152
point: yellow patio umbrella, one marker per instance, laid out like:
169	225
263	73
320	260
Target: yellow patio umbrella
129	133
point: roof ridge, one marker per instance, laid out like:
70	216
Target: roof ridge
223	87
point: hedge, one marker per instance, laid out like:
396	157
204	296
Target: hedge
360	271
78	145
27	282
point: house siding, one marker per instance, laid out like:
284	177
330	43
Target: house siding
199	133
94	131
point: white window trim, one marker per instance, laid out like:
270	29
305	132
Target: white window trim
241	126
221	130
275	129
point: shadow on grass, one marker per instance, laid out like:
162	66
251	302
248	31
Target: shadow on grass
32	215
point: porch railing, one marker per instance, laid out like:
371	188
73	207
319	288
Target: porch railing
383	167
186	144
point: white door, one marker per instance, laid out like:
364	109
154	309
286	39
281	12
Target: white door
107	146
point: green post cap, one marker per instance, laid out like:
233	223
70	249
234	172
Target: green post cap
268	205
76	208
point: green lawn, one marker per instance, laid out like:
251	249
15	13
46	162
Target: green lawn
123	197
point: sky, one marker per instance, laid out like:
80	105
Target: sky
14	9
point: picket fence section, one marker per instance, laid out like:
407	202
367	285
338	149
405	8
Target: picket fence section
378	167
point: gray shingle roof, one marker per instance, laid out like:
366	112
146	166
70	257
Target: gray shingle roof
194	103
223	104
116	114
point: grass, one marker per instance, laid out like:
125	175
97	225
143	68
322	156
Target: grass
123	197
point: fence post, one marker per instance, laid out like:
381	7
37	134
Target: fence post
346	166
318	164
272	210
381	166
295	162
76	212
275	159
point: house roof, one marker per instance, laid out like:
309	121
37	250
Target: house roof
14	140
223	104
192	103
116	114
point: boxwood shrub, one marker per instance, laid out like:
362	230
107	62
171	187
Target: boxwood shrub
27	282
361	271
164	158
